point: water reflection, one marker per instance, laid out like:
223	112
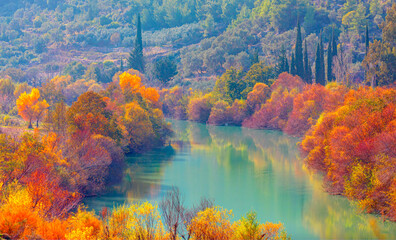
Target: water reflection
244	169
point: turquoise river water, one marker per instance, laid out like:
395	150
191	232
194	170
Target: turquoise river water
243	170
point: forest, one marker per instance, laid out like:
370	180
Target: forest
85	83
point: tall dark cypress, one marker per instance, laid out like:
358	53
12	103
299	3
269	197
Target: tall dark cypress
322	61
282	62
307	67
299	52
330	62
334	44
367	39
286	65
136	59
293	69
319	77
122	65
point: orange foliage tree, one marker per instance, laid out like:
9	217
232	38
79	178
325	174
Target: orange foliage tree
29	106
309	105
275	112
355	145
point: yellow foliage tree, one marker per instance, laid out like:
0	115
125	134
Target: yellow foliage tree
130	83
212	223
29	106
138	124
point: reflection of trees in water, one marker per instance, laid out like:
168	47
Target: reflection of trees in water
340	218
142	177
272	157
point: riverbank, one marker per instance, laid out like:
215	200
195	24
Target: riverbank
347	134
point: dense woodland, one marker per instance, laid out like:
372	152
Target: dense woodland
85	82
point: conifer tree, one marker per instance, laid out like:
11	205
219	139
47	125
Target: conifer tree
319	65
334	44
367	39
330	62
286	65
293	69
299	53
136	59
283	65
122	65
307	67
322	61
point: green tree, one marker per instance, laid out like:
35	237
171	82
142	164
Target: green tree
165	69
258	72
380	61
283	65
136	58
367	39
293	69
329	62
299	52
319	64
307	66
208	25
122	65
231	85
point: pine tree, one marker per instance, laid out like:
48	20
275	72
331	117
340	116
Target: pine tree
299	53
307	67
293	69
136	59
330	62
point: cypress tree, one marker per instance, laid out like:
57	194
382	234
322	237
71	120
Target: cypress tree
367	39
299	53
307	67
322	61
136	60
293	69
286	65
319	66
122	65
330	62
334	44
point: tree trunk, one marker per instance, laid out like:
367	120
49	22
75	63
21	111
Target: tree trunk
30	124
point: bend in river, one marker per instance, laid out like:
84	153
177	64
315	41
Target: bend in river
244	169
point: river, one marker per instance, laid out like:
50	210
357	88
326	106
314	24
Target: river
243	170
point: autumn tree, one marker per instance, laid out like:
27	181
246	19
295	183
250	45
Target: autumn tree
89	114
212	223
354	145
380	61
30	108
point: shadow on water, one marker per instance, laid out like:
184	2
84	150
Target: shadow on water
243	170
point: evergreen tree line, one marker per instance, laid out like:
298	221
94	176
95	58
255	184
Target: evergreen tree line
299	64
